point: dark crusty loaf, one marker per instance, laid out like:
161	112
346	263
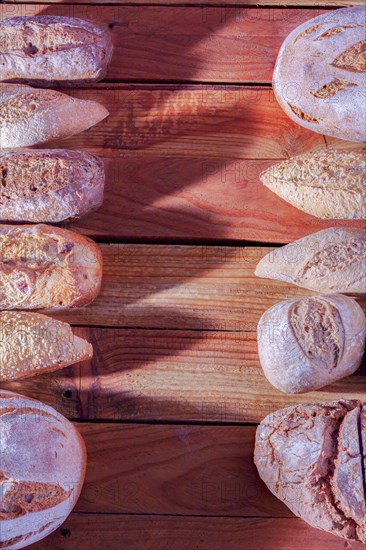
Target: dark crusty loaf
31	343
330	261
48	49
44	267
328	184
307	343
49	185
319	77
311	458
30	116
43	461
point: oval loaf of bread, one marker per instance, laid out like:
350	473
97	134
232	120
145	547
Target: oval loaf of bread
44	267
31	343
312	458
319	77
330	261
48	49
43	461
306	344
328	184
49	185
29	116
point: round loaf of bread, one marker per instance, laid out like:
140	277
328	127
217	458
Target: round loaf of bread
306	344
319	77
312	457
43	461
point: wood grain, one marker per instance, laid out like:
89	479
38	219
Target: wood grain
203	122
177	376
186	44
190	199
224	4
183	287
190	470
134	532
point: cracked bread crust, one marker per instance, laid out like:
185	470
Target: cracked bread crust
30	116
309	456
47	50
330	261
43	461
49	185
44	267
319	76
31	343
309	343
328	184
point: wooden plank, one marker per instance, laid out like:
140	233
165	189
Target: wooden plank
183	287
203	122
209	3
180	199
113	532
186	43
193	470
181	376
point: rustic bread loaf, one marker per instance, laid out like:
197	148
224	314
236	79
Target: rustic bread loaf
319	77
328	184
43	461
330	261
31	343
310	457
49	185
48	49
47	267
306	344
29	116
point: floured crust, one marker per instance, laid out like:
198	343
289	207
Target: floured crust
49	185
319	76
310	458
30	116
329	261
47	50
43	461
43	267
328	184
309	343
31	343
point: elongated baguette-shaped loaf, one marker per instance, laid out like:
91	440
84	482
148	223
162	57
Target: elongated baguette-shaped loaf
330	261
49	185
306	344
29	116
48	49
44	267
328	184
311	458
319	77
43	462
31	343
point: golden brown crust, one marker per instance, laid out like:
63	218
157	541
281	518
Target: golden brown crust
43	267
49	185
33	344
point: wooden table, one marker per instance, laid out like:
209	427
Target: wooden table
169	404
